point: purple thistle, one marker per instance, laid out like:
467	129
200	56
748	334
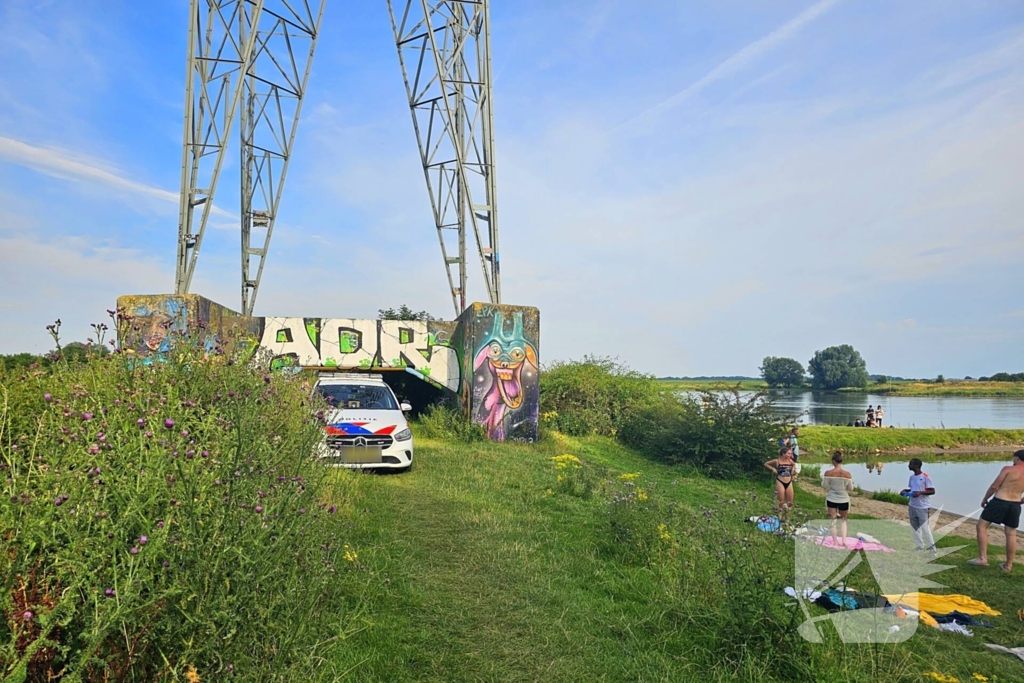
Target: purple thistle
27	616
86	416
58	501
140	422
331	510
47	397
110	592
302	511
169	423
160	524
184	432
134	550
143	540
206	454
259	508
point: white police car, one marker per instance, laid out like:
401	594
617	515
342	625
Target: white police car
365	427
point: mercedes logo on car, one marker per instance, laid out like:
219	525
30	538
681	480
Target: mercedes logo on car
359	442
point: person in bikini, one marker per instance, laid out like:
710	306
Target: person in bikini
839	485
1002	503
784	468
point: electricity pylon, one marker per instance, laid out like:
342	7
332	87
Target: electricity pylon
259	53
445	54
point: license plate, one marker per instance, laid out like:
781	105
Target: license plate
362	455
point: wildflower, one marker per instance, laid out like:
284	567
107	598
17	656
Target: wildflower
134	550
27	616
935	675
302	511
110	592
331	510
549	492
206	454
567	461
259	508
641	494
663	532
979	677
143	540
86	417
351	556
47	397
191	675
629	476
169	423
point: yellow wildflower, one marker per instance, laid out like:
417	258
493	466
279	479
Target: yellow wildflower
561	477
351	555
979	677
191	675
663	533
641	494
549	492
935	675
629	476
567	461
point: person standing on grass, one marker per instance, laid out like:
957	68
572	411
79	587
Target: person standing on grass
879	414
783	467
791	441
1002	503
838	484
870	422
920	491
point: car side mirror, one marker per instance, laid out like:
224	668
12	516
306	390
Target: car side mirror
406	407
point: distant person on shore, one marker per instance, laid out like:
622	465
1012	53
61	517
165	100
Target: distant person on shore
783	467
838	484
920	490
870	422
791	441
858	422
879	414
1002	504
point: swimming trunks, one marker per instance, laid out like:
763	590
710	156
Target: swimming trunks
999	511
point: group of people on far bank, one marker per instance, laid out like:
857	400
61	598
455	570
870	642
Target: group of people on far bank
1001	504
873	418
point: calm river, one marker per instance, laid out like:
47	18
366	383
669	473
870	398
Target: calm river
959	486
820	407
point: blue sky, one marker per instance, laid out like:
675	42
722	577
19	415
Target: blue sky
690	187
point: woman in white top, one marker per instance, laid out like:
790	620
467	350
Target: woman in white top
838	484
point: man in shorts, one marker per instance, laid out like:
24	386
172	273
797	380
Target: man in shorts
1002	504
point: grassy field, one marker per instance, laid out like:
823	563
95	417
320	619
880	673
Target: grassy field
818	441
699	384
949	388
897	388
488	571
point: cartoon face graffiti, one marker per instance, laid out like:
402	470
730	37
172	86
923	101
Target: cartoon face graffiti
150	332
505	371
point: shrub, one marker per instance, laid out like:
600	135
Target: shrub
724	433
449	424
167	519
593	396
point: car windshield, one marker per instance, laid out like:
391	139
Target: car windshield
358	396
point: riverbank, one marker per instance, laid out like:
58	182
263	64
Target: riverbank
818	441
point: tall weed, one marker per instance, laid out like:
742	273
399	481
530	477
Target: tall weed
168	519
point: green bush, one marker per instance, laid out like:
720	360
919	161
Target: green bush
448	423
593	396
724	433
168	519
887	496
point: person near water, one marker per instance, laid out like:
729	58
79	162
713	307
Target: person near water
879	414
920	490
1002	503
870	422
783	467
791	441
838	484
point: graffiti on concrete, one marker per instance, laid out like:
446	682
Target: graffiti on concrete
505	375
149	325
348	343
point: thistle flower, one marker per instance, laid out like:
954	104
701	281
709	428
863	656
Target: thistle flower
143	540
47	397
134	550
169	423
110	592
160	524
259	508
86	417
27	616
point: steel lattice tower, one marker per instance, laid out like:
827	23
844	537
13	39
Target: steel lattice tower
445	53
257	53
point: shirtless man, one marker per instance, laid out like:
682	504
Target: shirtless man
1002	504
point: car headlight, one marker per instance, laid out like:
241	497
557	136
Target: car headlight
404	435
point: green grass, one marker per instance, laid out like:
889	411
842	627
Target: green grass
487	573
704	384
819	440
949	388
887	496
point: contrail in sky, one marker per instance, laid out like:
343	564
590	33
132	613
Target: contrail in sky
739	60
54	163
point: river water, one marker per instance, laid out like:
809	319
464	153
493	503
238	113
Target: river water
841	408
959	485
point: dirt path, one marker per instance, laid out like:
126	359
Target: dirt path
864	505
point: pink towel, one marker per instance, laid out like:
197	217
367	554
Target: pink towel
851	544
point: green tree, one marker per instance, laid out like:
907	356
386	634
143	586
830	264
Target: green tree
837	367
782	372
404	313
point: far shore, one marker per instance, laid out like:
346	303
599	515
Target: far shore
820	440
896	388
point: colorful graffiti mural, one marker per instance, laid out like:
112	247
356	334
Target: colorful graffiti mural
348	343
504	395
488	358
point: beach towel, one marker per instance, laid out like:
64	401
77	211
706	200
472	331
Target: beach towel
851	544
943	604
770	524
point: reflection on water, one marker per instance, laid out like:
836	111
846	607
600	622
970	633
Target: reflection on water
841	408
959	486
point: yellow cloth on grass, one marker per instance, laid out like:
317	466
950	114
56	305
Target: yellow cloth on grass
942	604
926	618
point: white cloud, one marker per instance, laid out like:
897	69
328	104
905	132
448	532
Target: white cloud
67	165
